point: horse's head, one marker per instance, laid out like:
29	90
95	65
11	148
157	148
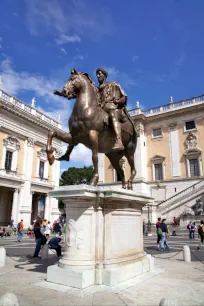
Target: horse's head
73	85
76	82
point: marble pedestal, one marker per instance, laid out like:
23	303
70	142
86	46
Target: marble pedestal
104	237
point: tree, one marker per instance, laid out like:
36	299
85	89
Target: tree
76	176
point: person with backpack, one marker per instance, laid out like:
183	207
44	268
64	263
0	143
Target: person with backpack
189	229
164	231
20	227
192	231
201	234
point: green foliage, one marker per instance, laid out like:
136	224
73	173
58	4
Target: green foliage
76	176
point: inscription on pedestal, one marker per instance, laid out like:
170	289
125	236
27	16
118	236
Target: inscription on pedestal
126	233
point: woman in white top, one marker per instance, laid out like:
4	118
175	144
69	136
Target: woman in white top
48	229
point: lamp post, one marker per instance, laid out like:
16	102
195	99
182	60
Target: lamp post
149	221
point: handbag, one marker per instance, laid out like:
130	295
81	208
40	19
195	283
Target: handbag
43	240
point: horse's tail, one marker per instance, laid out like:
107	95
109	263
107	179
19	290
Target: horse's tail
134	129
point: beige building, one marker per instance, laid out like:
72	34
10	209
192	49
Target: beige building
169	157
25	174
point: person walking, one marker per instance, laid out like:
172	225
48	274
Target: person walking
20	227
189	229
38	239
192	231
201	233
57	229
158	231
54	245
48	230
163	240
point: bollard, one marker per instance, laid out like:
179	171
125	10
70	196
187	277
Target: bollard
186	253
2	257
44	253
168	302
8	299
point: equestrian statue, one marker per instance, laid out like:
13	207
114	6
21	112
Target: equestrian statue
100	121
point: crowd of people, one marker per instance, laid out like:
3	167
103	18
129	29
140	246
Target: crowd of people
163	233
41	230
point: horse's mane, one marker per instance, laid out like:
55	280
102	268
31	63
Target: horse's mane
93	84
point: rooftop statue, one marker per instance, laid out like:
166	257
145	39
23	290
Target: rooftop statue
99	120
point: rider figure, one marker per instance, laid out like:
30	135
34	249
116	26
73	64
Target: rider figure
112	98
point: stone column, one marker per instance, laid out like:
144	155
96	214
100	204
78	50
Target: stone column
15	205
26	204
141	154
46	212
174	150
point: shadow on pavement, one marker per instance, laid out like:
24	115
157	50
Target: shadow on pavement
35	264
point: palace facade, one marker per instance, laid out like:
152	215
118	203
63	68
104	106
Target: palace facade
169	157
25	174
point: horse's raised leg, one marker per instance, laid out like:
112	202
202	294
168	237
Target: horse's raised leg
130	158
67	154
59	135
93	136
115	158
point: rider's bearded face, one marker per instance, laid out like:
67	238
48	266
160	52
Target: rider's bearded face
101	77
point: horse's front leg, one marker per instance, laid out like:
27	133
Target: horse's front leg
59	135
93	136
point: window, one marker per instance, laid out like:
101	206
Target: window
8	160
158	172
194	167
157	132
41	169
190	125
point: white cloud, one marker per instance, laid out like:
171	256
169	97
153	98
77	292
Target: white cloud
135	58
80	57
122	77
63	50
81	154
42	87
64	39
60	17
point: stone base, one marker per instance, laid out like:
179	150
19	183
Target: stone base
109	277
71	278
104	237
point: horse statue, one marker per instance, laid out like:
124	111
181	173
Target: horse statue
88	125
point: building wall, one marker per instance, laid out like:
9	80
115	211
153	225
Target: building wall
158	146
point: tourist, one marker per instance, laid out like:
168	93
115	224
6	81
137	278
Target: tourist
54	244
189	229
201	233
158	234
12	223
20	227
175	221
3	233
39	237
163	240
48	230
57	229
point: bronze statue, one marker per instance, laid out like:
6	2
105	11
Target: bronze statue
89	123
112	100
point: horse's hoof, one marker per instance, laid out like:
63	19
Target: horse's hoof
94	181
123	187
50	157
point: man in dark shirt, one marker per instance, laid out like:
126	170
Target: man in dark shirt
54	244
163	240
157	227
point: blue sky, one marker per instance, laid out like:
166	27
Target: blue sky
154	48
